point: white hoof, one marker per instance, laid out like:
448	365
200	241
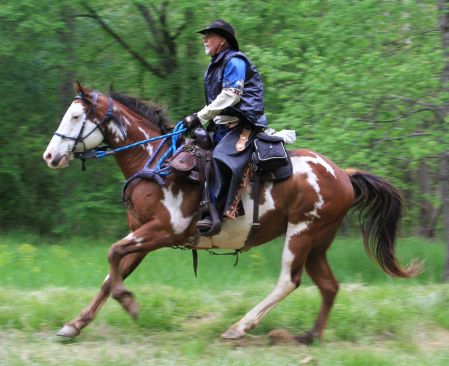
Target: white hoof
68	331
233	333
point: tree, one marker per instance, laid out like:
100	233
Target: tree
366	93
443	6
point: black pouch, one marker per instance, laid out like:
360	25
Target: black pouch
269	152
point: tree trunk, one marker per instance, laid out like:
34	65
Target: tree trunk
66	69
426	223
443	6
444	176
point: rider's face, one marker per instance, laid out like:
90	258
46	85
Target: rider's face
213	43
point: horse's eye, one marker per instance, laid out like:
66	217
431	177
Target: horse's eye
76	118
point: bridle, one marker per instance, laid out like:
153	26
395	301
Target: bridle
99	125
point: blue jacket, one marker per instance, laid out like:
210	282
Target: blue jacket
250	108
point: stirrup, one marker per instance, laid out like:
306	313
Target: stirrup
210	225
204	224
213	230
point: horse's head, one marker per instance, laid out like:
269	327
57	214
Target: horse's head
93	118
79	130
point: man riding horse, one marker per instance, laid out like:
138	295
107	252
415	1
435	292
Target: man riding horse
307	205
235	102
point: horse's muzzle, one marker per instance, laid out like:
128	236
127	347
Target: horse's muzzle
56	162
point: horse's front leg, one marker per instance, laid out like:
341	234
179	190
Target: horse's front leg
74	327
143	240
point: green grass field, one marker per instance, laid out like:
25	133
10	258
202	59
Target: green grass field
376	320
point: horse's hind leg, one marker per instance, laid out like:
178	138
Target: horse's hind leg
74	327
319	271
295	251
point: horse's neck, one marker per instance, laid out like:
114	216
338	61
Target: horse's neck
132	160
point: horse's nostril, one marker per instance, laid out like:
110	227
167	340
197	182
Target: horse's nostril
48	157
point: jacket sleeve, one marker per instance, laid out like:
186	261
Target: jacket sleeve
232	89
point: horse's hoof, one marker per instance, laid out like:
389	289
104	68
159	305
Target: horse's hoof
306	338
131	307
68	331
134	311
281	336
233	333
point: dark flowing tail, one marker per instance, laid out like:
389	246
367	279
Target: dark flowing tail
380	205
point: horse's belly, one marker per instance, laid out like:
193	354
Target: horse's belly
234	232
233	235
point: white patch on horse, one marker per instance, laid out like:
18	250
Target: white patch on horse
173	205
112	126
60	147
74	113
316	159
303	165
283	287
268	204
296	229
126	120
136	239
234	232
75	110
148	146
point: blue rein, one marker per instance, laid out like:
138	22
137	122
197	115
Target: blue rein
99	154
157	174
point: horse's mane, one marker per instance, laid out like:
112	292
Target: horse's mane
152	112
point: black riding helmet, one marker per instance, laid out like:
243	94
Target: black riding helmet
223	29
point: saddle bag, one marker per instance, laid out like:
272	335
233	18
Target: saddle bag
269	152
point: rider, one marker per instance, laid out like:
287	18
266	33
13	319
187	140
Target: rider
235	102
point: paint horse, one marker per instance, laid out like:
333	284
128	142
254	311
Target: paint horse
308	208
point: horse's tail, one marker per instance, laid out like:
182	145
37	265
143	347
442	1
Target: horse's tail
380	205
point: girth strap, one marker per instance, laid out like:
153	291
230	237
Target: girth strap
255	226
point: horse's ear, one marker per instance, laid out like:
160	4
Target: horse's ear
111	87
78	87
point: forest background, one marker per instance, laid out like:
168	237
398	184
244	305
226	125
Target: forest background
362	82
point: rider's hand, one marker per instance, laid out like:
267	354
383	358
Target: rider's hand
190	122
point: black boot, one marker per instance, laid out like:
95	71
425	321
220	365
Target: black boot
210	222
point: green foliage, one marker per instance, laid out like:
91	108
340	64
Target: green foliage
351	77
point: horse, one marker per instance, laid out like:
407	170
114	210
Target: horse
308	208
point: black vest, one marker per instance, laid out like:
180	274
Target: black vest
250	108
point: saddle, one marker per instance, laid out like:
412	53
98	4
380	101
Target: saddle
193	163
268	161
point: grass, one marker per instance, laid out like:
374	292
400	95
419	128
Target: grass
375	321
370	325
34	262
